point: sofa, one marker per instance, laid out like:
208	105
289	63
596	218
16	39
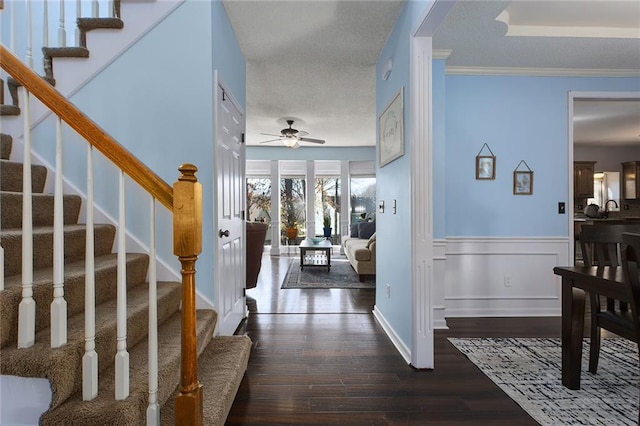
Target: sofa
360	248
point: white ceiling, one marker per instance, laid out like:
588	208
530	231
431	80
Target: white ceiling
314	61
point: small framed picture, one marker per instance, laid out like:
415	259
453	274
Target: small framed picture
485	167
523	183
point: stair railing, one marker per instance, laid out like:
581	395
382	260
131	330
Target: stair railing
184	200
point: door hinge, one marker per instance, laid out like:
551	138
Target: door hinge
242	138
242	214
224	95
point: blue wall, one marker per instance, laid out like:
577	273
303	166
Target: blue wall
157	100
394	182
520	118
367	153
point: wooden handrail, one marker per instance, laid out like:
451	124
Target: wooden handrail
87	128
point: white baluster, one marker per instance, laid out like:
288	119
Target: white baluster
13	27
59	304
111	9
90	357
62	32
95	9
45	23
122	356
27	307
78	15
153	410
29	55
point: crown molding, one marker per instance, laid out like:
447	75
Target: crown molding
541	72
441	53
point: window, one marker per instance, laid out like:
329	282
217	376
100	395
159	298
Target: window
363	199
293	204
259	202
327	205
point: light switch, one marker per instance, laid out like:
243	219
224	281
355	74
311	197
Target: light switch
394	209
381	206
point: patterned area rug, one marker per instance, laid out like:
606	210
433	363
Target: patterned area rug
528	370
341	275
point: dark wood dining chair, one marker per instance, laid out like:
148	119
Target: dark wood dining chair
631	268
602	245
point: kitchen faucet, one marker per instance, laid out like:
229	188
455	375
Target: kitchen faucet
606	205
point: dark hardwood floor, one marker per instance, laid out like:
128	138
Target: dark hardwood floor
320	358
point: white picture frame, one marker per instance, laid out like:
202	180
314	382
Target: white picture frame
391	130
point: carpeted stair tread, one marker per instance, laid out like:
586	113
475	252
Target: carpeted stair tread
11	176
74	280
11	209
88	24
9	110
65	52
104	409
74	245
6	142
220	370
63	366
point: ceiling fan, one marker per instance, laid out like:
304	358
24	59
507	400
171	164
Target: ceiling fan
291	137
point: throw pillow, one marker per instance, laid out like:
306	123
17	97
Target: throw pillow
353	231
366	229
372	239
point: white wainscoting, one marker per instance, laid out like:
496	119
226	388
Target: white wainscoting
438	290
475	283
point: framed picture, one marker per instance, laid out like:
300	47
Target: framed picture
485	167
391	131
522	183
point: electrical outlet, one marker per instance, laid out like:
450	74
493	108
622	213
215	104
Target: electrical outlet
388	290
507	280
561	207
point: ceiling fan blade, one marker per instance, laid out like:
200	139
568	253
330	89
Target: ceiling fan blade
311	140
270	140
302	133
271	134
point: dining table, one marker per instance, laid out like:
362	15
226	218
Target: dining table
576	282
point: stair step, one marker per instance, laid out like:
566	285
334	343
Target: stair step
63	366
88	24
220	370
11	209
11	176
6	142
132	410
9	110
74	245
74	280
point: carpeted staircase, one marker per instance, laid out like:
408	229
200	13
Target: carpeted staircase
222	359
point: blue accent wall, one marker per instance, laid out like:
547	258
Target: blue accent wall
365	153
520	118
394	182
157	100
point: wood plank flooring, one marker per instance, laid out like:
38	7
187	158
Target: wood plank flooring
320	358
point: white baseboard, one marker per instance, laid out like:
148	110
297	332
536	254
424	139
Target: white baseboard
395	339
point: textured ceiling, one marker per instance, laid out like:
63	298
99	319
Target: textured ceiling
314	61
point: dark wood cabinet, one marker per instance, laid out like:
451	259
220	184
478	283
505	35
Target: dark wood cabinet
583	179
631	180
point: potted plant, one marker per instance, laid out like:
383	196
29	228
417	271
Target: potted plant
327	226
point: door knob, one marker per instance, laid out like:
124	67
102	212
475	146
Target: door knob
222	233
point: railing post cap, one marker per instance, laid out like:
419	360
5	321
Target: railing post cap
188	172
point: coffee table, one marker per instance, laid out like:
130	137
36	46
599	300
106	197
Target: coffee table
320	256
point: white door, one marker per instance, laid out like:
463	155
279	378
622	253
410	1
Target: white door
230	189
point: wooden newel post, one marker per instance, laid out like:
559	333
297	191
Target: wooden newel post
187	245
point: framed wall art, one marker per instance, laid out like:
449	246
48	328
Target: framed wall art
485	164
523	180
391	131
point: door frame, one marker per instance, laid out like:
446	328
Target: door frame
571	97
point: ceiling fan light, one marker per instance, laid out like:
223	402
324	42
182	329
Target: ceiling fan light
290	142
